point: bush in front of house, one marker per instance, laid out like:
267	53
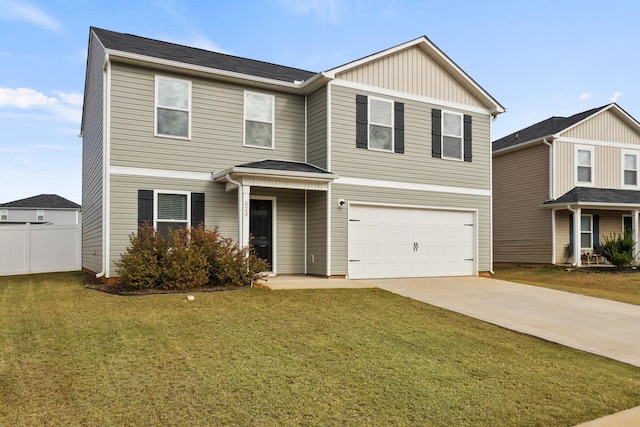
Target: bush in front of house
188	259
618	249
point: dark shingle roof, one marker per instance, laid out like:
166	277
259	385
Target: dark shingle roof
190	55
598	195
281	165
42	201
544	128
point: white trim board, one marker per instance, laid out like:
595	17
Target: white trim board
160	173
365	182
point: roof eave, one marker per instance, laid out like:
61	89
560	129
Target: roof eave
522	145
243	171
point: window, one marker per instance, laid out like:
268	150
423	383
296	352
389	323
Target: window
627	225
452	136
172	211
258	120
380	124
40	215
629	169
173	107
586	232
4	214
584	165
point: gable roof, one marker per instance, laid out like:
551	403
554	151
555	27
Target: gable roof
129	43
42	201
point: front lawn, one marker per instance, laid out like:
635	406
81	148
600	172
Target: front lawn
600	282
75	356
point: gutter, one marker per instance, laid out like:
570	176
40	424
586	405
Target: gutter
545	142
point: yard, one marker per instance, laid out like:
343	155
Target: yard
75	356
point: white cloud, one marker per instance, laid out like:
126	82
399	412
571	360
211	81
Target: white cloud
329	10
64	106
585	96
75	99
24	98
22	11
616	96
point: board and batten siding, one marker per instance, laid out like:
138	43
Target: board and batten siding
289	231
317	128
416	165
216	125
317	233
605	126
521	225
413	71
92	159
340	219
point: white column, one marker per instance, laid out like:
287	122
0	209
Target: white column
553	237
244	223
577	225
634	226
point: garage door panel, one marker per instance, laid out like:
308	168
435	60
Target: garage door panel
390	242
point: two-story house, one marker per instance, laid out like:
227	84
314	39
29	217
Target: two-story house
41	209
377	168
565	183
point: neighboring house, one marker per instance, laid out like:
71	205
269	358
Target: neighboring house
378	168
565	183
41	209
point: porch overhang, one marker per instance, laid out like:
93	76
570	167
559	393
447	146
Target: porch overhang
597	198
276	174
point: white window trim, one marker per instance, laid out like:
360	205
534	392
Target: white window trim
274	231
584	232
622	167
442	113
187	110
370	122
272	123
4	214
39	214
155	207
575	166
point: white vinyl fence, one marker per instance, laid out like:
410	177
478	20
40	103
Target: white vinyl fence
37	248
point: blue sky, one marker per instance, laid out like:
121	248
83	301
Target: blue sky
538	58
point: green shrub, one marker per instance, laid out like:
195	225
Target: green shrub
618	249
188	259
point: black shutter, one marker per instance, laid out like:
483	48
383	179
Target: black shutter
197	209
436	133
596	231
398	127
467	138
145	207
362	115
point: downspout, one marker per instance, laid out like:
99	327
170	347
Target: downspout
575	247
550	167
553	212
105	161
240	231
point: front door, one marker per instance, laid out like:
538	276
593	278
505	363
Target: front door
261	228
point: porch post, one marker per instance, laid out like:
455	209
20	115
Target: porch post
634	226
244	223
577	238
553	236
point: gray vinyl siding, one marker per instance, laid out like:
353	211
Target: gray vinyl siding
521	225
53	216
216	125
221	207
416	165
339	217
317	128
289	233
92	159
317	233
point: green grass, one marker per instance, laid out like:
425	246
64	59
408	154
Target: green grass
74	356
600	282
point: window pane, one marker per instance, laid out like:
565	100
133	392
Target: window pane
172	206
452	124
380	112
451	147
584	158
171	122
379	137
630	161
585	223
584	174
585	240
630	178
164	227
258	107
173	94
258	134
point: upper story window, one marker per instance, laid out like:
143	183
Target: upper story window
40	215
584	165
173	107
4	214
171	211
380	124
452	136
629	169
258	120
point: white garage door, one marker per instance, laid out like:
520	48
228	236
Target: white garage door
386	242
